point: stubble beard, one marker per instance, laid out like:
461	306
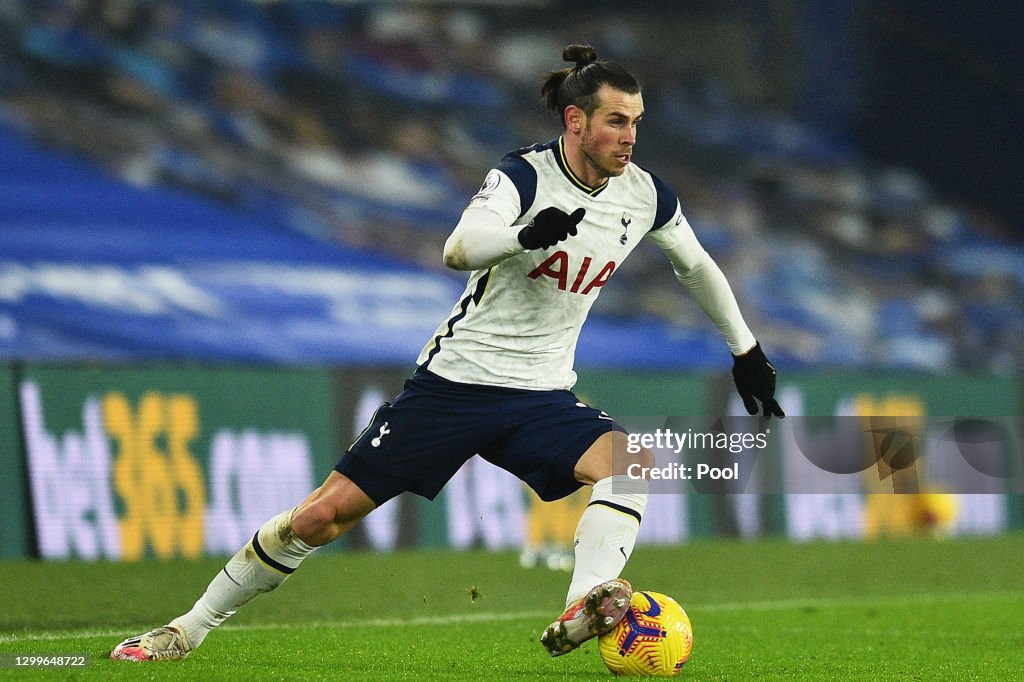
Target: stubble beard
603	171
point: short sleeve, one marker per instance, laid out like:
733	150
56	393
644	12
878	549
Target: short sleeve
667	205
509	190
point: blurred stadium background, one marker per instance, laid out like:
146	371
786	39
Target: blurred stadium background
221	224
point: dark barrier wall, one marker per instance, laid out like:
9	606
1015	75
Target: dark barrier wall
162	461
15	528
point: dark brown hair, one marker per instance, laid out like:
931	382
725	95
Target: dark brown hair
579	84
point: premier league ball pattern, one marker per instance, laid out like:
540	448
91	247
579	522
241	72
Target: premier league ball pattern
653	639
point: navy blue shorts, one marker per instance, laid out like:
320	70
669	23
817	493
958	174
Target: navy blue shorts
434	426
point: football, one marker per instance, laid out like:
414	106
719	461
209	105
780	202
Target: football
653	639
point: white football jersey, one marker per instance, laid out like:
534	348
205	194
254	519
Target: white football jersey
518	321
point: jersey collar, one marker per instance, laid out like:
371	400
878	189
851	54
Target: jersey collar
563	164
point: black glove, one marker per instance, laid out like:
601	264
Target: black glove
549	227
755	379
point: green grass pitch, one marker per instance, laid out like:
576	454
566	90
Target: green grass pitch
769	610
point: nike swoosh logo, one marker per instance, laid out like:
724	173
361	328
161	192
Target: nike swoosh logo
655	610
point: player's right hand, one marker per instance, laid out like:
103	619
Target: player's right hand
549	227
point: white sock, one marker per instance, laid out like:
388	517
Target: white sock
263	564
607	532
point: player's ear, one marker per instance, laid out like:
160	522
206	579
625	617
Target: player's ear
573	118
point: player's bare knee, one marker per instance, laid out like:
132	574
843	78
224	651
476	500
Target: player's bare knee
627	458
311	519
634	464
644	460
612	455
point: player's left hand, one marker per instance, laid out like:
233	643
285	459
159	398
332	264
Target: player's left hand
755	380
550	226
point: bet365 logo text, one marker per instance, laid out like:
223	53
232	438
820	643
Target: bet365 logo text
78	484
557	267
133	480
155	469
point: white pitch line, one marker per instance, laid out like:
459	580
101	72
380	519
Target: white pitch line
887	600
453	619
488	617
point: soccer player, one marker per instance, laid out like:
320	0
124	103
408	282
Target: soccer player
545	233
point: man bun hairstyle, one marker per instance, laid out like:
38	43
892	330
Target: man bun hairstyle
579	84
581	54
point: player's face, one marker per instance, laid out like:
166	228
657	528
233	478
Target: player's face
609	134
